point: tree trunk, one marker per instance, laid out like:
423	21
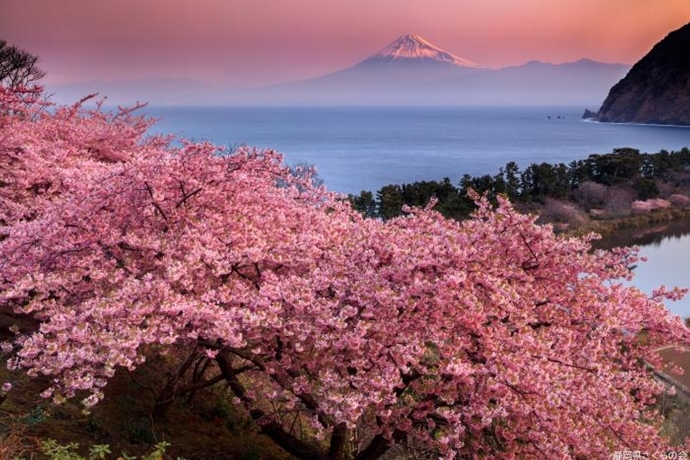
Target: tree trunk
337	450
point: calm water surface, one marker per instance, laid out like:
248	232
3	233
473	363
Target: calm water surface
358	149
668	260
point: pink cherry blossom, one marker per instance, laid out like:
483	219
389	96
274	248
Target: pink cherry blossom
649	205
487	338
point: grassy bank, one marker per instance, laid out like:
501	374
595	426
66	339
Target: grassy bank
633	229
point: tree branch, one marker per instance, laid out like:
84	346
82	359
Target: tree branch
267	425
187	196
155	204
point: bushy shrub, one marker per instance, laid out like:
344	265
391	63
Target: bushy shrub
556	211
640	207
618	202
590	195
679	201
56	451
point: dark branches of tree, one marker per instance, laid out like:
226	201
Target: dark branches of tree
18	68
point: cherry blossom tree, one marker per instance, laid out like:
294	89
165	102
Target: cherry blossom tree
341	336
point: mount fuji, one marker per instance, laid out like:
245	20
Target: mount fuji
398	69
413	71
413	49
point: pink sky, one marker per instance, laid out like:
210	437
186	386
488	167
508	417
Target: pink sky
246	42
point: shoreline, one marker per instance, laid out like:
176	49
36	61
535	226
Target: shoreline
635	230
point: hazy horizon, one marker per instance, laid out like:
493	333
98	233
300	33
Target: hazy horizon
260	85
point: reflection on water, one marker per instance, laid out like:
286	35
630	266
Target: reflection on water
657	235
667	249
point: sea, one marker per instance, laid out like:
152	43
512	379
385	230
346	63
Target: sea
365	148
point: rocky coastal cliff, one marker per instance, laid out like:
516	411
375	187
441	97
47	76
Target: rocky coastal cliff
657	88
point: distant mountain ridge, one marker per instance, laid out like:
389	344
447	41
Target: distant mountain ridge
413	71
408	71
657	88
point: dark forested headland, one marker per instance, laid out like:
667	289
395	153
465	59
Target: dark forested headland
602	187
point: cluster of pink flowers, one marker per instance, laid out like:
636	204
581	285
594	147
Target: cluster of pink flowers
649	205
489	337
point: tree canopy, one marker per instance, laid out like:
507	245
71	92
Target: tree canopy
490	337
623	170
18	67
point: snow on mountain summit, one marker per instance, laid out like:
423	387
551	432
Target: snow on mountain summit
415	47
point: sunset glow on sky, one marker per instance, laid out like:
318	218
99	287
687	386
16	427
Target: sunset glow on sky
248	42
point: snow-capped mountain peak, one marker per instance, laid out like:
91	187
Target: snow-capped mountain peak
415	47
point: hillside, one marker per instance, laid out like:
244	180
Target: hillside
657	88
